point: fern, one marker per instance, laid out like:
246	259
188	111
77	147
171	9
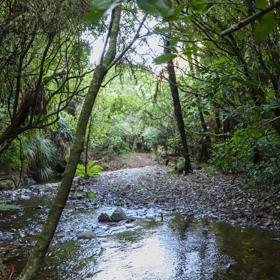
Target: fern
94	169
41	153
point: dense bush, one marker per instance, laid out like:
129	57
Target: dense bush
255	154
154	137
10	159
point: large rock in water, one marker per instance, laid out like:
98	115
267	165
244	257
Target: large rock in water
118	215
104	218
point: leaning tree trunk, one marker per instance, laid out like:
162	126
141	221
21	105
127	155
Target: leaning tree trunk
87	148
178	109
39	250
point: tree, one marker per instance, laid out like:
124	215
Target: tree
108	60
42	62
44	239
177	106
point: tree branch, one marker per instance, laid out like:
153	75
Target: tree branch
250	19
120	56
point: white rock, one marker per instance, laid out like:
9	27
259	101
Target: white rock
25	197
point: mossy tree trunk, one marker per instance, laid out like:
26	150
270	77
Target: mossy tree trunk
179	115
41	247
86	163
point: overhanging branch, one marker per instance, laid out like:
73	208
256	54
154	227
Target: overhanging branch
250	19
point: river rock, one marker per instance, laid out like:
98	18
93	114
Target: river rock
88	234
131	219
104	218
25	197
118	215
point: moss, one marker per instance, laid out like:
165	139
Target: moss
85	261
129	235
134	235
180	224
66	250
148	223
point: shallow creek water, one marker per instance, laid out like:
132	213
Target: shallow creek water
175	248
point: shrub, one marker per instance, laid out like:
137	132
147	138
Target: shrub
250	152
153	137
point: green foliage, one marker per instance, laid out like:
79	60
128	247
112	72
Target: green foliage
148	223
98	9
153	137
129	235
46	73
94	169
41	154
122	113
266	25
90	195
229	157
64	129
164	58
261	4
251	153
198	5
161	8
180	165
156	7
11	157
179	224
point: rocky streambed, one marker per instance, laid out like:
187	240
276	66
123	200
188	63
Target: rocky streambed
194	227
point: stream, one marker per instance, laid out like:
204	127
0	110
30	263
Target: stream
158	245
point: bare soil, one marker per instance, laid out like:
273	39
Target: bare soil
131	160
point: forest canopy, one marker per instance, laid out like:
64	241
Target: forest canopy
227	75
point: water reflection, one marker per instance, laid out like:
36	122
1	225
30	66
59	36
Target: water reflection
178	249
256	252
165	253
147	259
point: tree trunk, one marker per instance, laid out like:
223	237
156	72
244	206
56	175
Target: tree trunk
178	109
217	120
206	140
41	247
87	147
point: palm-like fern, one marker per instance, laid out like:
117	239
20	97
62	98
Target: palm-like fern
40	153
